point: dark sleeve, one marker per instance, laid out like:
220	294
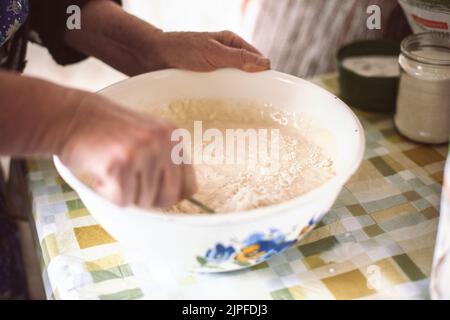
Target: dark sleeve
397	27
47	26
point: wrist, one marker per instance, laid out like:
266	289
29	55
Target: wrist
156	53
66	121
36	115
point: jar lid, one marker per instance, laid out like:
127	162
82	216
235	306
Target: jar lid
428	47
426	55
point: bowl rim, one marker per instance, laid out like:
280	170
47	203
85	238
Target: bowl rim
333	186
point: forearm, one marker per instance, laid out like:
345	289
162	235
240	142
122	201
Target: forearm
119	39
34	115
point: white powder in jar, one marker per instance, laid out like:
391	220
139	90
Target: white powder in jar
423	102
373	65
302	166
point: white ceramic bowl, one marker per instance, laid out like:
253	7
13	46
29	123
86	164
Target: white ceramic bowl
228	241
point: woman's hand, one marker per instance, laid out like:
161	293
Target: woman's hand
125	155
134	46
207	51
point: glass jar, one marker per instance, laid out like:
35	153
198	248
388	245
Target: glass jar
423	101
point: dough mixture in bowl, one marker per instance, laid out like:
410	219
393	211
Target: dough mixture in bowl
297	165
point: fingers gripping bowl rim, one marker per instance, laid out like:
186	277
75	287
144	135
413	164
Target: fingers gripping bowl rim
220	242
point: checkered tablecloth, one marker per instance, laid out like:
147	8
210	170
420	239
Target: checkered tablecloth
376	242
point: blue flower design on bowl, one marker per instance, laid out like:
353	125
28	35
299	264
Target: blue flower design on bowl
219	253
254	249
259	247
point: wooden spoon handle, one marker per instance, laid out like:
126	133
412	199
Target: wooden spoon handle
200	204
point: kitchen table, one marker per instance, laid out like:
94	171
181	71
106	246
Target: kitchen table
376	242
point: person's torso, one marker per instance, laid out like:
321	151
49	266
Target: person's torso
301	37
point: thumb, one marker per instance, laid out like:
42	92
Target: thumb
240	58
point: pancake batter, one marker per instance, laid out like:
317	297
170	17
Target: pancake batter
301	166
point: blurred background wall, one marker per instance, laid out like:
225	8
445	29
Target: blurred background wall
169	15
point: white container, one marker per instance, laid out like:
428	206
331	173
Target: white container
228	241
426	15
440	276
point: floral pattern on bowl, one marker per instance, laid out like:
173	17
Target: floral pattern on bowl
256	248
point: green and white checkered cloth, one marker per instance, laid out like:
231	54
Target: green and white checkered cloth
376	242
